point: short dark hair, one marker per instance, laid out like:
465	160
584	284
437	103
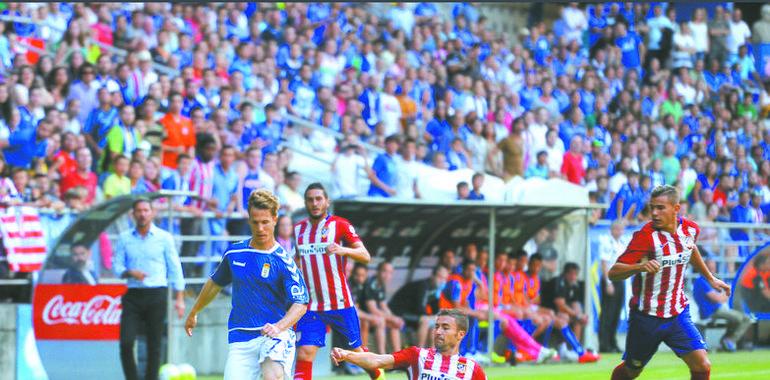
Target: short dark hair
316	186
181	157
535	257
460	319
570	266
139	201
382	265
203	139
392	138
461	184
358	266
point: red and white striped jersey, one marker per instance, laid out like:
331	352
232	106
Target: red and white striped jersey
428	364
23	238
202	182
661	294
325	274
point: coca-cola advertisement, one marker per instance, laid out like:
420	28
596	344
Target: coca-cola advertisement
77	312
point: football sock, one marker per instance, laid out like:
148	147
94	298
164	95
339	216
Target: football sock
619	373
700	375
303	370
523	341
374	374
566	332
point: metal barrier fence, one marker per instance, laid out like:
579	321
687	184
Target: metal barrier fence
725	251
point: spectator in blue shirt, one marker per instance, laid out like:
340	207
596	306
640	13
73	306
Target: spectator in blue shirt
100	121
270	131
742	213
477	181
456	156
626	202
383	174
540	168
714	305
225	191
630	45
24	145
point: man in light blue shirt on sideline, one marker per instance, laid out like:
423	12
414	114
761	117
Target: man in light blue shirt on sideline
146	255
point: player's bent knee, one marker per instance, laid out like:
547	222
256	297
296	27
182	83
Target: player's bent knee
306	353
701	365
272	370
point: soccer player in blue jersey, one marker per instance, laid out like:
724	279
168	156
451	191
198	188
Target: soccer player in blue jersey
269	296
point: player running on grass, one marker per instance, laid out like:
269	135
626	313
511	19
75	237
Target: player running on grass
324	243
443	361
657	257
268	298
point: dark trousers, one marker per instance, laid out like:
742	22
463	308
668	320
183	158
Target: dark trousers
187	227
610	316
142	307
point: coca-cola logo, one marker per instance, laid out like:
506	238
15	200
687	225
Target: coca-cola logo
77	312
99	310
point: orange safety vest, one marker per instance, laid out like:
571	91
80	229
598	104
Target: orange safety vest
519	288
466	291
533	287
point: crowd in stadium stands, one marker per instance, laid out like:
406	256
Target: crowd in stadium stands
615	97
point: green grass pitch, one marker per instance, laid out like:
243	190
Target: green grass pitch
665	365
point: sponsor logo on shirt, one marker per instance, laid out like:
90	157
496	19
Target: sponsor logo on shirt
669	261
312	249
239	264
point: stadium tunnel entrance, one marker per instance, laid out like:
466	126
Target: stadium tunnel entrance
416	232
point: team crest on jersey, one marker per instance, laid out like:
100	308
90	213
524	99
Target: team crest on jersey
324	233
265	270
460	368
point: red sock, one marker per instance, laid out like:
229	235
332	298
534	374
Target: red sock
374	374
700	375
303	370
619	373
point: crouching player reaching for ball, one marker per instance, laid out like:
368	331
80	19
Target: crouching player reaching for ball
657	257
443	361
268	297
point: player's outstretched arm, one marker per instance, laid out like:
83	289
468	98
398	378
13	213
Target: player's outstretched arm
697	262
207	294
365	360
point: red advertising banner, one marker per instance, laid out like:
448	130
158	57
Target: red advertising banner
77	312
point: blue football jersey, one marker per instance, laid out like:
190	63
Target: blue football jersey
265	285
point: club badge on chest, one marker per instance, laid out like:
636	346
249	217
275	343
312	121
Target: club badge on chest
265	270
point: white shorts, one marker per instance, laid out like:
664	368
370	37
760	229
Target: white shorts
244	359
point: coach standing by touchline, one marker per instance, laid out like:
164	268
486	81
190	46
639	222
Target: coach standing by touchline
147	257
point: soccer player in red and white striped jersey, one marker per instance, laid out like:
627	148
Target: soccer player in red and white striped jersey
324	243
657	257
443	361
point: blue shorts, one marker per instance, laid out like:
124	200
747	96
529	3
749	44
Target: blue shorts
312	327
645	333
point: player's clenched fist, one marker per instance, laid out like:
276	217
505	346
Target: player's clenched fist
338	355
651	266
271	330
